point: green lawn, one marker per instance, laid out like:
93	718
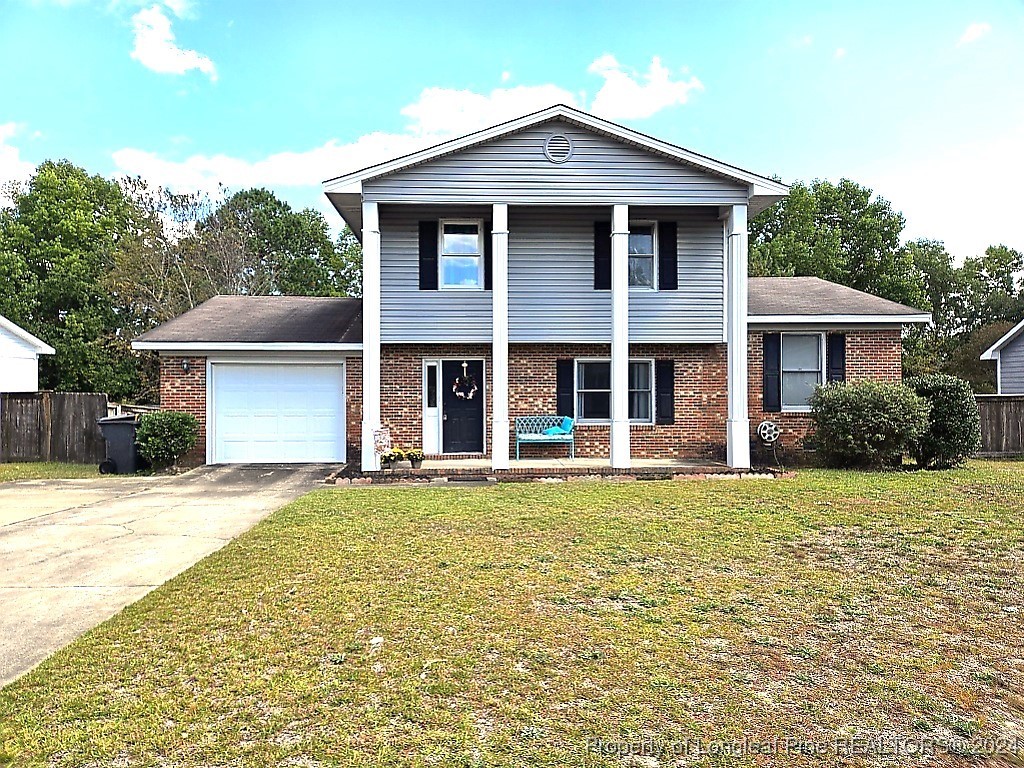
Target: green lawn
520	624
45	470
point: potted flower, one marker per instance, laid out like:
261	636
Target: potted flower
390	459
415	457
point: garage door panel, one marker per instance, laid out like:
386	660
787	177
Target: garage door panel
278	413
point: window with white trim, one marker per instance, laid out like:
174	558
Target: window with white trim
461	255
594	390
642	261
803	362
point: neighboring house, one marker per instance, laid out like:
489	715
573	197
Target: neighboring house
556	264
1008	353
19	358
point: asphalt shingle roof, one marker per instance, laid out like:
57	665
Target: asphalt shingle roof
312	320
266	319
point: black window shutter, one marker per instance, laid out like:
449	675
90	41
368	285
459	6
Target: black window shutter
668	257
488	259
835	356
602	255
428	255
665	387
772	353
564	380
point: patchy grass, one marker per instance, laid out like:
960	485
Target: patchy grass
519	624
45	470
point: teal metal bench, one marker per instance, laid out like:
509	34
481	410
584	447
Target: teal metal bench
530	429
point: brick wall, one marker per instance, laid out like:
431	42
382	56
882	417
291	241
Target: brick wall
186	392
870	354
353	408
700	399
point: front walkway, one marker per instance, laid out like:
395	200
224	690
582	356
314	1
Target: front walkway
75	552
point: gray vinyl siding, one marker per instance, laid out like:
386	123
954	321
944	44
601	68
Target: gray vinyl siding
408	314
551	281
514	169
1011	367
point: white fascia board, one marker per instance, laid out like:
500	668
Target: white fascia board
38	345
924	317
769	186
210	346
993	352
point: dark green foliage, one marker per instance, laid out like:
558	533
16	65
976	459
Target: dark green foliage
165	436
954	428
839	232
867	424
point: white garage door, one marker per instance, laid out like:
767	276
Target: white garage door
278	413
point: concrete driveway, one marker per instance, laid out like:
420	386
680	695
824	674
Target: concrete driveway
75	552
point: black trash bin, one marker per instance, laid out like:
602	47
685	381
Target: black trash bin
122	452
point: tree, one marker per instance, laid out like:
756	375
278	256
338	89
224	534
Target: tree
965	361
57	244
838	232
275	248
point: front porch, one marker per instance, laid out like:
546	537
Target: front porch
440	470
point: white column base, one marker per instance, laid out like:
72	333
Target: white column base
499	445
738	443
370	460
620	458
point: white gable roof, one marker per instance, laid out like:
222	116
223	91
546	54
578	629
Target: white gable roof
17	333
992	352
344	190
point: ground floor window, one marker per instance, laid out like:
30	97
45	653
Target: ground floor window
594	390
802	369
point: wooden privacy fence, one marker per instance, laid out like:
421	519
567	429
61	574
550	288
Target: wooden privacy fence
52	426
1002	424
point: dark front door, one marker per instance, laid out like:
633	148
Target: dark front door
462	406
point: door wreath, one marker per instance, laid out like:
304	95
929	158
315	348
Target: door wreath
465	385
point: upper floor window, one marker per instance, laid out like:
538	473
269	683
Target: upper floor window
802	363
461	255
641	256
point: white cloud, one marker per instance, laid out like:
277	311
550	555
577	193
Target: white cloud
974	32
840	53
628	95
450	111
438	114
156	49
936	188
12	166
284	169
506	76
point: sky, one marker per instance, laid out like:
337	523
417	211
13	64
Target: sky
921	101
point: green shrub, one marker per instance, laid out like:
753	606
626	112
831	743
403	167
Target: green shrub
867	423
165	436
954	427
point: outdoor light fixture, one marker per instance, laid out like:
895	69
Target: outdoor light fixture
185	366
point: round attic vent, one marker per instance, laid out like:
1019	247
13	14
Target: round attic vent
558	148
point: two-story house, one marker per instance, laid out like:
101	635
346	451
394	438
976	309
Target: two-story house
556	264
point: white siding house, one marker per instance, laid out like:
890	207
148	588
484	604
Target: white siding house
19	358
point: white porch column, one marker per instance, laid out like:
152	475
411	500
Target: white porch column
371	335
620	338
738	423
499	337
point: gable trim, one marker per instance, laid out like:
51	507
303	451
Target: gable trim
40	346
992	353
759	185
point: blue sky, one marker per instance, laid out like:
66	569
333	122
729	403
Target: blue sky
922	101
